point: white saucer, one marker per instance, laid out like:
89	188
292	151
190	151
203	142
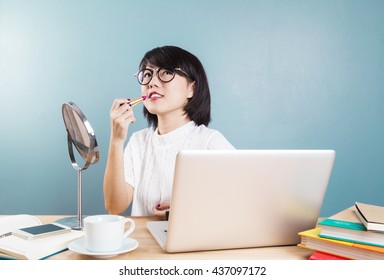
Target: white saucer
78	246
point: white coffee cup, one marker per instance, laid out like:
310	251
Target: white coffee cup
105	233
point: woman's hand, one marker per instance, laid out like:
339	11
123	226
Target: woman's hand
160	210
121	116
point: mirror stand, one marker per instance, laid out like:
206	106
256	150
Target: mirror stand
79	200
76	223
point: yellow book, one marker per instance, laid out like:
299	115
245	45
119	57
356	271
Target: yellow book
310	239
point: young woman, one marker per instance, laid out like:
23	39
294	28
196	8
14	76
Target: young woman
177	108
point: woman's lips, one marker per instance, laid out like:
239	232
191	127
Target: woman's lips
155	95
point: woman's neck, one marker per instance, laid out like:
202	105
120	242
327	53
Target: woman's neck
167	124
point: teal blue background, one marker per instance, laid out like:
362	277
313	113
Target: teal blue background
283	75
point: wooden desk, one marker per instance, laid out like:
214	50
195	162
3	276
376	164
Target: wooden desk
150	250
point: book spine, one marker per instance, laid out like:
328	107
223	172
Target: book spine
342	224
351	240
325	256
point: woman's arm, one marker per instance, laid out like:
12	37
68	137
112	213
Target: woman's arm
118	194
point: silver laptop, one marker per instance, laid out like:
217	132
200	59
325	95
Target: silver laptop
243	198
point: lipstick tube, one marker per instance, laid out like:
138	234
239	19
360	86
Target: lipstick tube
136	101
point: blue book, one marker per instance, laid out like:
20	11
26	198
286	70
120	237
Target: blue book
13	247
346	226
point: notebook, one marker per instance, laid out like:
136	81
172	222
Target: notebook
243	198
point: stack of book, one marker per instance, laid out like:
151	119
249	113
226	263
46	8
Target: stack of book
354	233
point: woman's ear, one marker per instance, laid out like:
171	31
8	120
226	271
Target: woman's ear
191	89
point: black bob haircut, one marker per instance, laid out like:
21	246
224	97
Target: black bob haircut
198	108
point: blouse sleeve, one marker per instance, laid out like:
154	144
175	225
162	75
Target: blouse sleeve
217	141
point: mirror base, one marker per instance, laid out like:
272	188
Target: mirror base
71	222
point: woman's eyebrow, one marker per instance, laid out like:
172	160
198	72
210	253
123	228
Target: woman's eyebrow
150	66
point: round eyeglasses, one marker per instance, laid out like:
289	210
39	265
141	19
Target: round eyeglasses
165	74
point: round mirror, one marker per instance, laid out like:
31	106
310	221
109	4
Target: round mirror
81	136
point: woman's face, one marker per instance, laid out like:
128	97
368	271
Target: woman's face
167	98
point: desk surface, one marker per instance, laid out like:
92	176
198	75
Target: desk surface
149	249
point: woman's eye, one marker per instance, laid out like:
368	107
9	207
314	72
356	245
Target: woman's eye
166	72
147	74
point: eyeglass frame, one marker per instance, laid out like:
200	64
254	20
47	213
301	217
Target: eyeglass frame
158	76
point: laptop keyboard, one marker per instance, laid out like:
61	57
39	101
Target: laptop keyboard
159	231
163	236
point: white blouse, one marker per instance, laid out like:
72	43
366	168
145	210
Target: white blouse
149	161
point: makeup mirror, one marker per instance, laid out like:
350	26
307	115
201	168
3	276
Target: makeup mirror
81	136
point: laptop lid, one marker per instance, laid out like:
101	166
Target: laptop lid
245	198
